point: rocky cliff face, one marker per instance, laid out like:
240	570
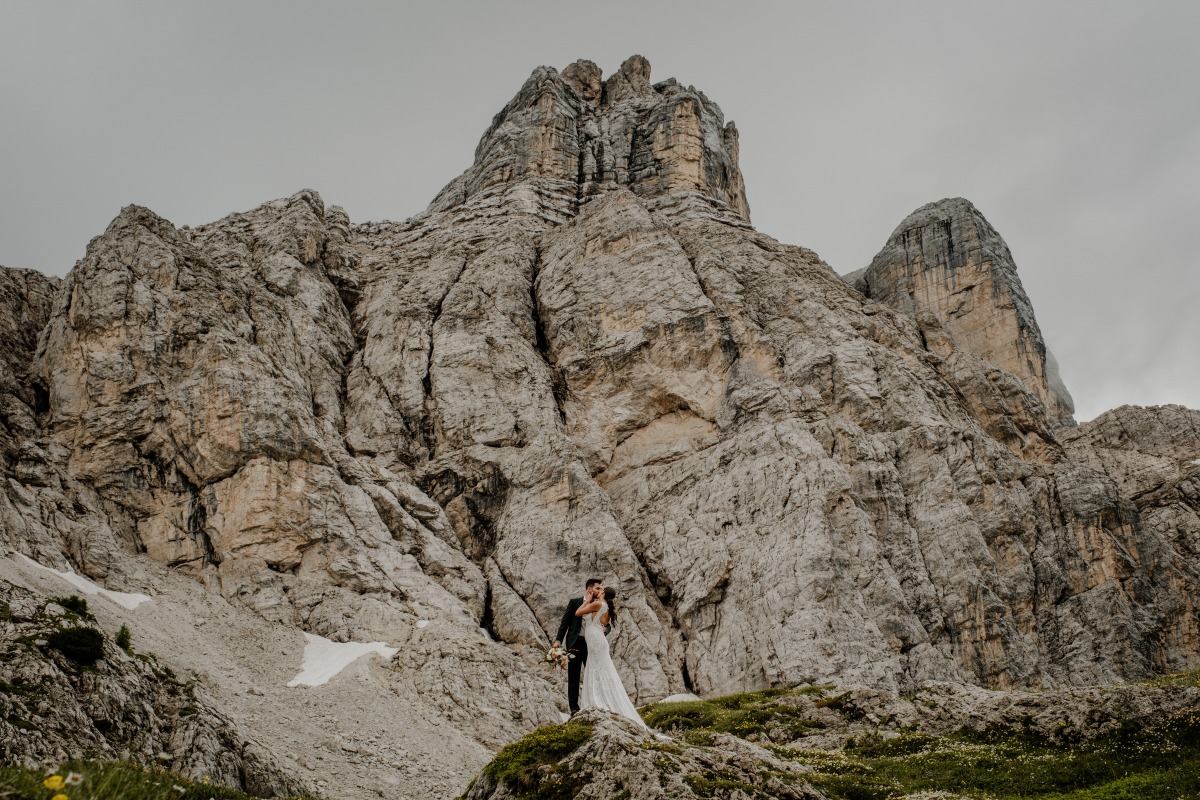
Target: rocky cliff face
124	706
25	301
583	360
576	136
1153	455
946	260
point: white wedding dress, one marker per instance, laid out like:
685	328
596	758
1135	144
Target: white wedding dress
601	684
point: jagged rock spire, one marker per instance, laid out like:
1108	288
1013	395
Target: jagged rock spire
574	135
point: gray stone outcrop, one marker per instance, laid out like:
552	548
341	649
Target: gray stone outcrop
947	261
124	706
583	360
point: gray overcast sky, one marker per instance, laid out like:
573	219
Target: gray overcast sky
1073	126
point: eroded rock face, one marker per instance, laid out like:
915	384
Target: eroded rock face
1153	454
44	512
121	707
579	135
25	301
197	386
582	360
1143	449
946	259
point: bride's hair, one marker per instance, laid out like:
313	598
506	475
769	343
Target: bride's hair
610	597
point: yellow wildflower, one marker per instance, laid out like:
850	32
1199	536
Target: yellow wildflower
59	796
54	782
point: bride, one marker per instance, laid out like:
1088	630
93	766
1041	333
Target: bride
602	686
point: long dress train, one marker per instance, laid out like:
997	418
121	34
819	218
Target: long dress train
602	687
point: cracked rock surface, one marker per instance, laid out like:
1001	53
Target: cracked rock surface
583	360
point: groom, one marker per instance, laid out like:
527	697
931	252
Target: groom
570	635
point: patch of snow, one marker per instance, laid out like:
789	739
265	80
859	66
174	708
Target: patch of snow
1197	461
130	600
323	659
686	697
421	623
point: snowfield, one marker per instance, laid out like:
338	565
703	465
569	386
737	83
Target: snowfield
324	658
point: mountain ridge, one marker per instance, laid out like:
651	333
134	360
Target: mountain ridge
582	359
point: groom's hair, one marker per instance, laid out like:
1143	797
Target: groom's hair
592	582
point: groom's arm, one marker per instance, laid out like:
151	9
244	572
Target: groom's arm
567	617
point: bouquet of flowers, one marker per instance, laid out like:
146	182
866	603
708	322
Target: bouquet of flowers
558	657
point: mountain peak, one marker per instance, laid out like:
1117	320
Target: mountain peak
945	258
575	135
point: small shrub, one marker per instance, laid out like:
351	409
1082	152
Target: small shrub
75	604
84	646
124	639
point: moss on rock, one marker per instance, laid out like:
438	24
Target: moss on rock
530	767
752	715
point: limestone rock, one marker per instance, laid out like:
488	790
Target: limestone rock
946	259
575	136
122	707
582	360
26	297
44	512
620	759
1142	449
197	385
1067	716
25	301
1153	454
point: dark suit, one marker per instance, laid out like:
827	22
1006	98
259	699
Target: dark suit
570	632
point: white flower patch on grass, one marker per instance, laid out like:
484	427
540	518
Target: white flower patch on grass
323	658
130	600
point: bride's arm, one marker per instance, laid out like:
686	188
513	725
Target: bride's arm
587	608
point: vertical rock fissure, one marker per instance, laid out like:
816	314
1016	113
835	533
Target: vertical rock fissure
580	159
558	384
428	425
488	622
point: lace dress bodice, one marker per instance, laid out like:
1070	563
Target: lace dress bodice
595	617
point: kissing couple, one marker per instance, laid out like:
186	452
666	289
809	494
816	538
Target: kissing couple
584	625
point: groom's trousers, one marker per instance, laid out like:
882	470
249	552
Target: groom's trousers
579	649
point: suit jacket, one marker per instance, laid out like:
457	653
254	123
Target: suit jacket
572	626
